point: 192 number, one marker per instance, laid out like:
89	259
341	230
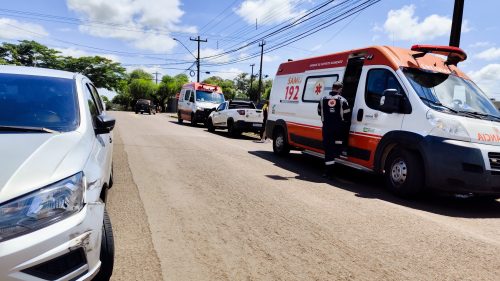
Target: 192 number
292	92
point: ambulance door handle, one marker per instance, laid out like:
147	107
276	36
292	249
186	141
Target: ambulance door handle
360	115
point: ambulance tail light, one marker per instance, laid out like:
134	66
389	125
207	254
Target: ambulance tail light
454	54
241	111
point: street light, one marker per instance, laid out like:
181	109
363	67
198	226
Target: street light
185	48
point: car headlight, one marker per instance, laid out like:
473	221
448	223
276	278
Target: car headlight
199	108
447	127
41	208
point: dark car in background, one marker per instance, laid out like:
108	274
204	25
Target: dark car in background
145	106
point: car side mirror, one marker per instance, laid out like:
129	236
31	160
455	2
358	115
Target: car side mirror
191	99
104	124
390	101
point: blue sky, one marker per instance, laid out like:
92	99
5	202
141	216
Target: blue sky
138	33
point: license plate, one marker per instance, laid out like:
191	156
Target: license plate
257	125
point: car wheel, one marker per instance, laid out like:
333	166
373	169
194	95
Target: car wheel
280	142
107	254
231	130
404	173
179	118
210	125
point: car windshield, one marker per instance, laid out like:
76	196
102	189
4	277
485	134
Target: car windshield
447	92
209	97
38	102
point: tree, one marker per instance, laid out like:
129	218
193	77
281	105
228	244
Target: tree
142	89
104	73
140	74
30	53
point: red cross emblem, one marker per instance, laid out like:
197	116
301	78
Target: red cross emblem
318	88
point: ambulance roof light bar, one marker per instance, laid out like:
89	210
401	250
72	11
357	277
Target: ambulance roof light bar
454	54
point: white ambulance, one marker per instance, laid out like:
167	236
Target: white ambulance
197	100
416	117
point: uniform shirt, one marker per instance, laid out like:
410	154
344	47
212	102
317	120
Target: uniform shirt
332	108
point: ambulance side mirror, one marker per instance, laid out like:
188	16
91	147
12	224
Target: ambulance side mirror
390	101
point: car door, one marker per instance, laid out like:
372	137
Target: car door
218	118
104	144
369	124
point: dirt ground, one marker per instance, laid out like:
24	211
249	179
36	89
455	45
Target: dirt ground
193	205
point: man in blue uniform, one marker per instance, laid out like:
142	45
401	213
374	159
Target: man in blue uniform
335	115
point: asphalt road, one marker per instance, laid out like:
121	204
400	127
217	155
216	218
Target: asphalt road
192	205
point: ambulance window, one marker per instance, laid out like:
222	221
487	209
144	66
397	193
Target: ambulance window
377	82
186	95
318	86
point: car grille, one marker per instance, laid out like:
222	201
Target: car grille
494	160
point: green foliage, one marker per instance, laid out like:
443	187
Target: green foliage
142	89
30	53
104	73
140	74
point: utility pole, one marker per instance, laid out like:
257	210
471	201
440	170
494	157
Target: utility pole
251	79
156	76
456	24
198	57
261	45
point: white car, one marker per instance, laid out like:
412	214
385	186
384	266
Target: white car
236	117
55	168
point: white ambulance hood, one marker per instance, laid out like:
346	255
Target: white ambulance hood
206	104
33	160
482	131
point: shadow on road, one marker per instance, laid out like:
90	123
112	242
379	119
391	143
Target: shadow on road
365	185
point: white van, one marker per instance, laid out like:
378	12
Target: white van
197	100
56	149
416	117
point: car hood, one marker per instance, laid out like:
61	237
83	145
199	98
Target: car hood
34	160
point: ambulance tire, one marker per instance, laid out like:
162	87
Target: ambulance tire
280	142
179	118
404	173
107	254
193	120
210	125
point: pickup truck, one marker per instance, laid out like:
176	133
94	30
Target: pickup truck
236	117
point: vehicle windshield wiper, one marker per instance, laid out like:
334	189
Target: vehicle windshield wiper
475	113
438	104
26	129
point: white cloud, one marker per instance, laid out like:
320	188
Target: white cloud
488	79
230	73
267	11
402	24
480	44
76	53
270	58
317	47
145	24
16	30
490	54
149	69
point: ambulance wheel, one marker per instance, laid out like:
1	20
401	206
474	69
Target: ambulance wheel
210	125
179	118
193	120
107	255
404	173
280	142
